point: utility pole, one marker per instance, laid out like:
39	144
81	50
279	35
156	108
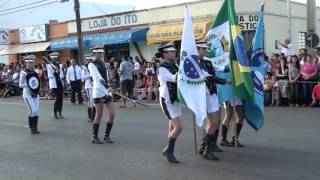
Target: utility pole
79	32
289	20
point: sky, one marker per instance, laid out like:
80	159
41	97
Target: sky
64	11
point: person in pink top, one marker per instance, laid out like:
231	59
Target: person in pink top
309	72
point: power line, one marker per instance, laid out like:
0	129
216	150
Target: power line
23	5
99	9
28	8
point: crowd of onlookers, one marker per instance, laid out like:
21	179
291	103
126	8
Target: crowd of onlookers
289	80
292	80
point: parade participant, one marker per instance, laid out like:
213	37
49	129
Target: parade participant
87	79
73	78
29	81
55	75
239	123
212	127
168	97
101	95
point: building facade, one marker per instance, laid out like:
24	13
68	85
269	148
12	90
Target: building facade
137	33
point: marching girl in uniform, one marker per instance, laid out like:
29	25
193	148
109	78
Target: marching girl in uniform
101	95
55	75
168	97
29	81
87	79
211	130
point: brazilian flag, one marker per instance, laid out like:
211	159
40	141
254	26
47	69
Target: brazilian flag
240	66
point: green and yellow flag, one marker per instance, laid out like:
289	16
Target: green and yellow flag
240	67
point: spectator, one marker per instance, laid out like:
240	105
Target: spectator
42	79
317	54
286	47
267	65
267	87
316	96
136	68
150	75
282	78
303	52
309	73
126	80
275	91
294	76
140	91
73	78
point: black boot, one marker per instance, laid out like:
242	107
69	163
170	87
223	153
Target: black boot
31	124
95	131
90	114
216	148
60	115
208	154
107	134
93	113
224	141
36	124
238	128
168	151
202	145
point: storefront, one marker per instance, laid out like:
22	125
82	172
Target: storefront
137	33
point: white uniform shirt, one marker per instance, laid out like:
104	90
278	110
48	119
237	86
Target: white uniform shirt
52	78
70	76
86	77
164	77
99	90
136	66
287	51
26	93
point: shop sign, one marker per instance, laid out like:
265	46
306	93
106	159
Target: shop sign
109	22
32	34
4	36
248	22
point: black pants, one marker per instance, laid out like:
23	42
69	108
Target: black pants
58	92
76	87
127	87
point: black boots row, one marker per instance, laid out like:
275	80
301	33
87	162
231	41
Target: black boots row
33	124
224	132
214	145
91	114
95	132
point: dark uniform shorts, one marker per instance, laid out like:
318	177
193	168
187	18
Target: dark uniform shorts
104	99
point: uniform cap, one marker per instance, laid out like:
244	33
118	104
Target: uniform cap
29	59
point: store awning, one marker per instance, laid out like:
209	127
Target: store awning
118	37
166	33
25	48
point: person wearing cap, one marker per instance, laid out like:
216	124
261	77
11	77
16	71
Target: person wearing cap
29	81
73	78
167	76
209	140
55	75
87	79
101	95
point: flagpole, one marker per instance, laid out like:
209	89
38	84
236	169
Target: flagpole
234	120
194	134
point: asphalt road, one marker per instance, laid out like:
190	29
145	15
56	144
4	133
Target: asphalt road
287	147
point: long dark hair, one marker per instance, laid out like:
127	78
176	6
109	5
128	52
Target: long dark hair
297	63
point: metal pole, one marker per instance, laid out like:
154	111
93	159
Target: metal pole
79	33
289	19
194	134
